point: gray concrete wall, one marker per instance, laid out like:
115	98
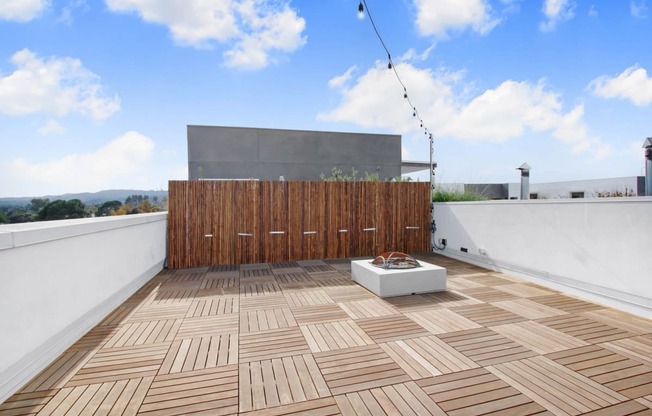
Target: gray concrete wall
266	154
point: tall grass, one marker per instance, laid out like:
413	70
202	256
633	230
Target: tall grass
442	195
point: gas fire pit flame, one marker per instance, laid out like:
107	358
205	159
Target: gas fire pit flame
395	260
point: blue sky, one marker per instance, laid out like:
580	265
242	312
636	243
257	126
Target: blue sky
97	94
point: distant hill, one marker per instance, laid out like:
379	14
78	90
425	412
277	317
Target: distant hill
88	198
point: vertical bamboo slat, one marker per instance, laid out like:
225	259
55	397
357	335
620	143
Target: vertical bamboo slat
252	221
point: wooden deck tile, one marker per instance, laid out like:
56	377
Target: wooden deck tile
254	273
488	279
173	296
160	312
645	401
259	288
120	314
146	332
442	320
24	404
449	299
121	363
615	371
368	308
348	293
586	329
435	355
524	290
528	309
459	283
200	353
638	348
307	298
320	407
95	338
57	374
221	305
212	391
485	346
186	277
208	325
487	294
566	303
354	369
277	343
487	314
391	328
277	301
220	282
122	397
630	408
264	319
398	399
538	337
622	320
321	268
410	303
555	387
294	276
335	282
334	335
477	392
319	313
280	381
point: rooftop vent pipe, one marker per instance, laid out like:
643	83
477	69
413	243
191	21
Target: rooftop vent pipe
647	145
525	180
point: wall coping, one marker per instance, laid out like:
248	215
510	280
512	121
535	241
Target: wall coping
26	234
557	201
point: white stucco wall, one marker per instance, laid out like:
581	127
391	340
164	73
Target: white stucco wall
58	279
596	248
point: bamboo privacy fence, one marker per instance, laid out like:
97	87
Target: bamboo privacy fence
242	222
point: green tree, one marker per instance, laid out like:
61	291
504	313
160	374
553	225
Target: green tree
38	203
20	215
3	218
108	208
61	210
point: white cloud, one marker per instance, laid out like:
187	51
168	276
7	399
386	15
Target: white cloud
340	80
58	86
439	17
250	29
632	84
66	16
51	127
22	10
556	11
509	111
123	162
638	9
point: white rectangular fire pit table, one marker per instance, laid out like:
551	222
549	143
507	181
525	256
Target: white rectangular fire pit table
398	282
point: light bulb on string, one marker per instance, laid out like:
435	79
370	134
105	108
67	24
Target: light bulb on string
360	11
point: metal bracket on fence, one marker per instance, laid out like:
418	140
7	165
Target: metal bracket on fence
343	231
369	229
411	228
208	235
245	234
310	232
277	232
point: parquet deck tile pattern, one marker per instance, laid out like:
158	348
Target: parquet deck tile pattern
302	337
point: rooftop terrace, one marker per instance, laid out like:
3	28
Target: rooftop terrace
302	337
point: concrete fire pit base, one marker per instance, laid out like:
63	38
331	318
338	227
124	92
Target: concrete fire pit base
398	282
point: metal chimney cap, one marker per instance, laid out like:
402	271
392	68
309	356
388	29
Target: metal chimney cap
524	166
648	142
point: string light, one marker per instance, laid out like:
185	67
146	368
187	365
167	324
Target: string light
364	7
415	113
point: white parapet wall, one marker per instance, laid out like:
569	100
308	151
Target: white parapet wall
58	279
598	249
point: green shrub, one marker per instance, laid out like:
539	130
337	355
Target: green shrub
441	195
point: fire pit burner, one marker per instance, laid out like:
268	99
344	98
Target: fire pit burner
395	260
